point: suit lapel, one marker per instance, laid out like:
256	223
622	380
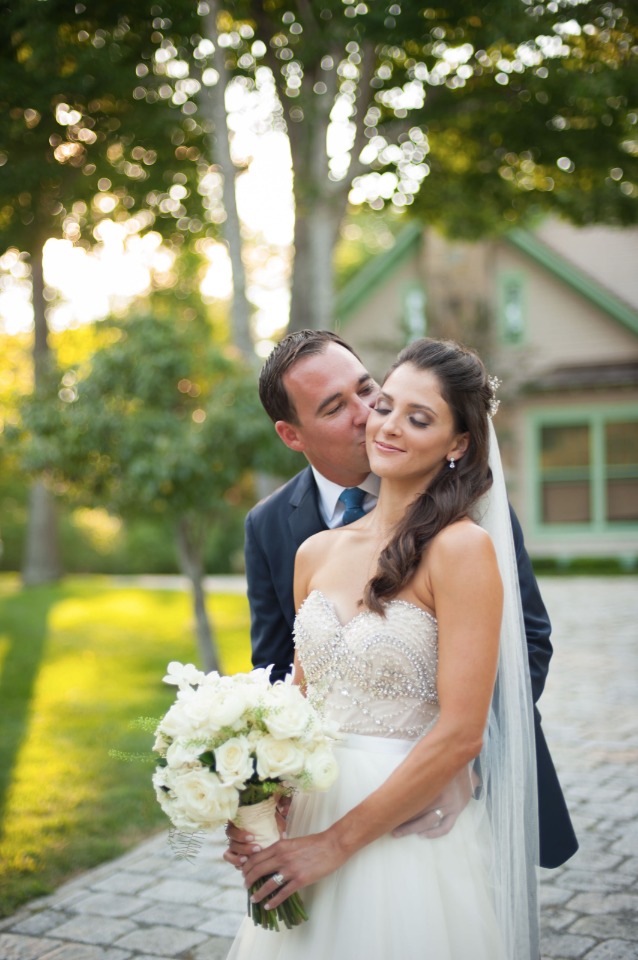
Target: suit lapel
304	518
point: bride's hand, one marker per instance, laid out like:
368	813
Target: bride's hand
300	862
241	843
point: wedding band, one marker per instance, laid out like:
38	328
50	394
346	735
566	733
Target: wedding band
439	814
279	879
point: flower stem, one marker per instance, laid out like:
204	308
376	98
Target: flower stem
291	912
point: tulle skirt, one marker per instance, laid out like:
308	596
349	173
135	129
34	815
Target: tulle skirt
396	899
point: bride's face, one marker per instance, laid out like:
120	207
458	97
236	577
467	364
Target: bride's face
411	432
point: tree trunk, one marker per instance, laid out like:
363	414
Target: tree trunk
312	295
320	205
213	105
41	561
190	552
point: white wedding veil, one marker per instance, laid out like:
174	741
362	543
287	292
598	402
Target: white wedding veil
508	757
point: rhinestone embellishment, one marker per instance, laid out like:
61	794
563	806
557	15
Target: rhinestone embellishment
373	675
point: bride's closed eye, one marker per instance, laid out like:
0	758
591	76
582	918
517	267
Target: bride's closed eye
382	406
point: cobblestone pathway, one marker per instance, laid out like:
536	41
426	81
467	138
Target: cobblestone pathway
147	906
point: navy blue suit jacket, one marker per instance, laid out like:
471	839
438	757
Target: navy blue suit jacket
277	526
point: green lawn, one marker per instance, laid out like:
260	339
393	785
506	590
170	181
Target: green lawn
79	661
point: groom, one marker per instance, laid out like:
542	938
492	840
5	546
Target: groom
318	394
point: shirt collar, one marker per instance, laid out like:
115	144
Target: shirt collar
330	492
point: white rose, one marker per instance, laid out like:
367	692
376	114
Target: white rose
226	708
321	767
278	758
252	694
233	762
163	792
289	719
161	744
203	798
183	754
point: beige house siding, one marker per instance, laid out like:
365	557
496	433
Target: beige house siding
562	327
607	254
376	326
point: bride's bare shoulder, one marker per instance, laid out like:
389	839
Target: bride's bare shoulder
461	540
317	544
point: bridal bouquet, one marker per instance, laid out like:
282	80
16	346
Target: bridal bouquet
228	747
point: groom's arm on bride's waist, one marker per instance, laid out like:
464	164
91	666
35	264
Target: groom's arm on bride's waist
538	628
269	576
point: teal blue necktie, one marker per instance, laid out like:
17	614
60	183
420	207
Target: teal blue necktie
353	498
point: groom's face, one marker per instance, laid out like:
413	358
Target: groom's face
333	394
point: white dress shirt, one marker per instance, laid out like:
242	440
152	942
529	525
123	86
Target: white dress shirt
330	506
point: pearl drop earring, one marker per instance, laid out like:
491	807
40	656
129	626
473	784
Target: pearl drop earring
452	464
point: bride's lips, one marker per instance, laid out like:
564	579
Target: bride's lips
387	447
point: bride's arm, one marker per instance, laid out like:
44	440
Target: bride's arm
463	578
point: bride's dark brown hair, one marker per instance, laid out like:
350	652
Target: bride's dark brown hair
466	388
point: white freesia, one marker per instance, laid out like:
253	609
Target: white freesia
183	674
176	723
233	761
278	758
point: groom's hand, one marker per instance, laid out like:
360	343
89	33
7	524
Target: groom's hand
441	815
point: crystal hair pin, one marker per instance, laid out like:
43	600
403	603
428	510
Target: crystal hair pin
494	383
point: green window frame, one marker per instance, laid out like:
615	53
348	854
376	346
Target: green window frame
585	464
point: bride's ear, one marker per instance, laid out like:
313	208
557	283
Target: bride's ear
462	442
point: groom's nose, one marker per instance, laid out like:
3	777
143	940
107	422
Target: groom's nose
361	411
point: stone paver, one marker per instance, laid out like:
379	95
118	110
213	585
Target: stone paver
148	906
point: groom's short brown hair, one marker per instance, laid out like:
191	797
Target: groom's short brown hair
302	343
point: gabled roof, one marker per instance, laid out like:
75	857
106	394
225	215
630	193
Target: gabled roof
589	288
592	376
376	271
373	273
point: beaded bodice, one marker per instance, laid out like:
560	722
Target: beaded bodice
373	675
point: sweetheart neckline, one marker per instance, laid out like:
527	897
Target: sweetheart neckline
330	604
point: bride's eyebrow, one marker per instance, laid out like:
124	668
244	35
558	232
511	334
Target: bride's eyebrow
413	406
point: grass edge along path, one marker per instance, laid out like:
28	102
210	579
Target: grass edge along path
80	661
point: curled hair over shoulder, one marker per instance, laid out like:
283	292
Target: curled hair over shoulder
302	343
466	388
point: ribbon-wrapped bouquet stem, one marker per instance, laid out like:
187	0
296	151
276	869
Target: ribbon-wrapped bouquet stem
228	747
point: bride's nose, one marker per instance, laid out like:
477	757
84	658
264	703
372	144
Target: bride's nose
391	425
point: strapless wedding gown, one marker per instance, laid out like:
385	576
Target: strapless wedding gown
396	899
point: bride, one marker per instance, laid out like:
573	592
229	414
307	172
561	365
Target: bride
409	634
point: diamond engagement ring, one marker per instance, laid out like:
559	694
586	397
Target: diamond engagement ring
279	879
439	814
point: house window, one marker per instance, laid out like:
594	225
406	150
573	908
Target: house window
588	471
512	311
566	474
414	316
621	481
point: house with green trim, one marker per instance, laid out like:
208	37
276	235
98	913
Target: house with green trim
554	313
